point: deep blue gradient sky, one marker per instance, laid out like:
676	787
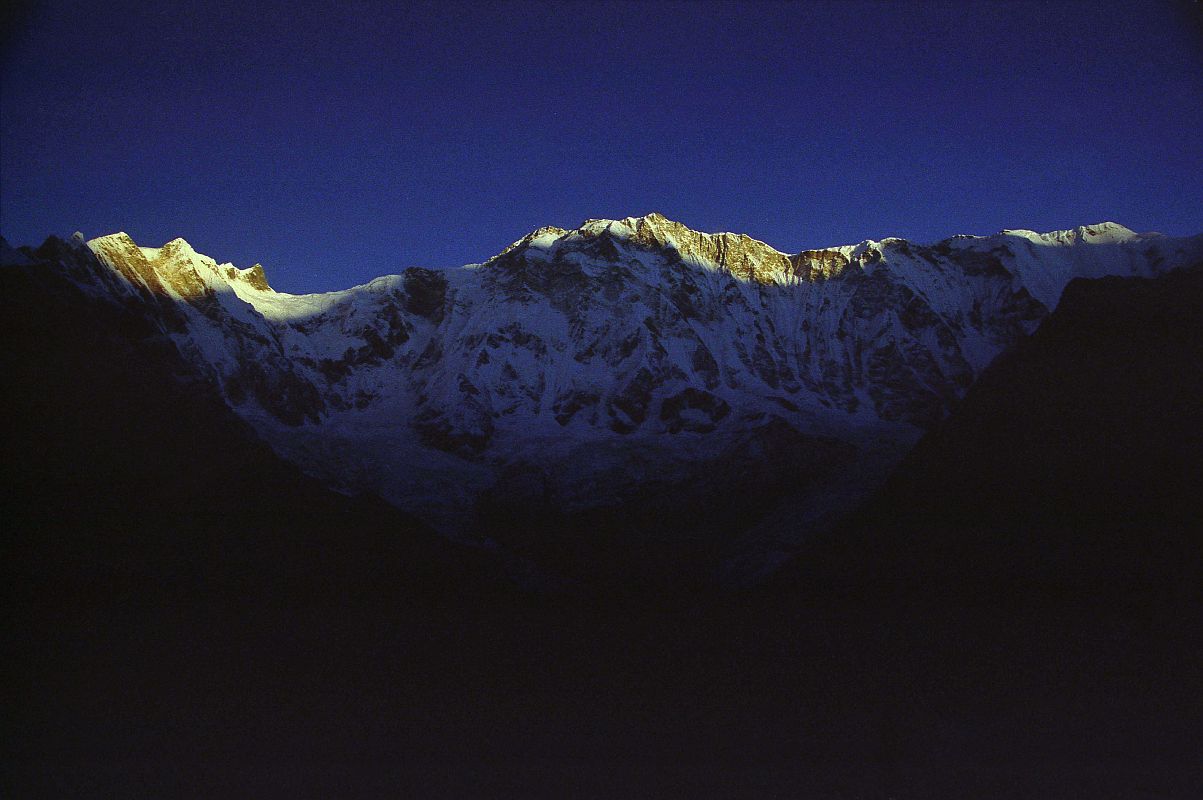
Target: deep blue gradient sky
338	143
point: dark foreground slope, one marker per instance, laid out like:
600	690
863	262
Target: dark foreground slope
186	616
1071	468
122	465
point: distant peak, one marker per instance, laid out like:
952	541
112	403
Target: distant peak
654	217
1106	229
119	236
10	256
257	278
178	245
1098	233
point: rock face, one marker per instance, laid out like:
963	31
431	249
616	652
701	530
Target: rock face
578	365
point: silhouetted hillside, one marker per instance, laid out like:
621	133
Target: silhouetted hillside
123	465
1072	465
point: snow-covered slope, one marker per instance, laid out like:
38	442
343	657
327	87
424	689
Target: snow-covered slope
578	367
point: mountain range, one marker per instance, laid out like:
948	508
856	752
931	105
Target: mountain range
627	386
1013	612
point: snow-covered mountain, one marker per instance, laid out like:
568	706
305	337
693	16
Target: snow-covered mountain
624	361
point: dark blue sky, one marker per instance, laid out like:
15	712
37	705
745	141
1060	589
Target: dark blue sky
336	143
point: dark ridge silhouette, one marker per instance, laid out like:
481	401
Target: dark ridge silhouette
1071	466
123	463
